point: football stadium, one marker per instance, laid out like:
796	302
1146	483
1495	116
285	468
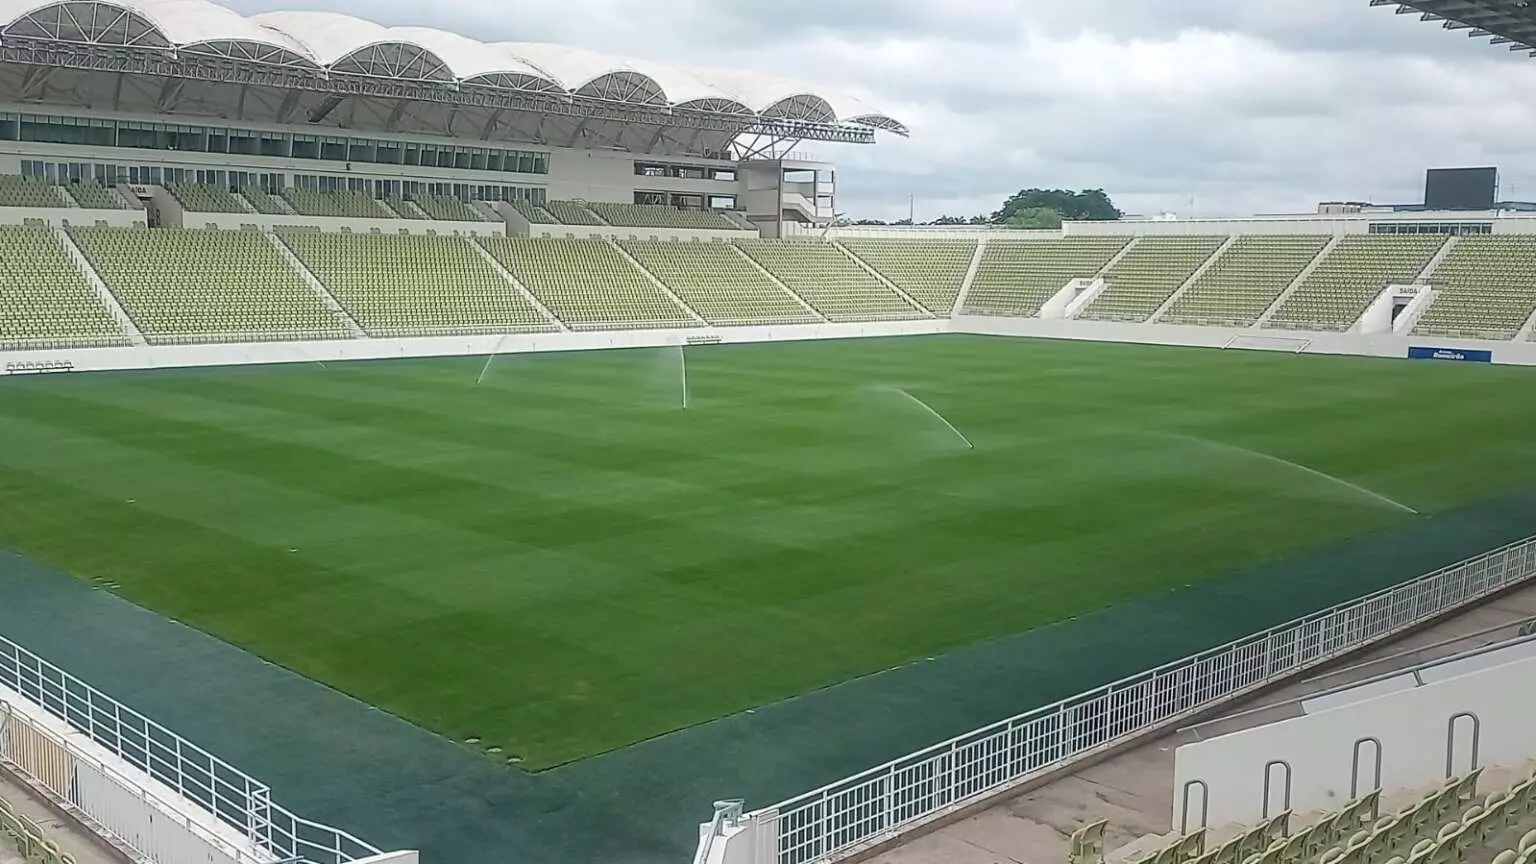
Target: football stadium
415	448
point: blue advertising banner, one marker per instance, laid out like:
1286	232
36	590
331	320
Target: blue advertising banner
1465	355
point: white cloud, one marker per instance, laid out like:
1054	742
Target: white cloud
1253	106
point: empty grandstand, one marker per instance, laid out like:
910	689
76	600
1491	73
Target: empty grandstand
929	271
1147	276
830	280
1248	277
587	284
46	300
1334	295
1488	288
720	283
1017	277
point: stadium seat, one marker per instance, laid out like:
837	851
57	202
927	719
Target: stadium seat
206	199
18	191
447	209
587	284
95	196
1488	288
718	283
1336	294
738	219
572	213
831	282
45	301
415	284
1236	290
1016	277
263	202
658	216
206	286
930	271
534	213
402	208
348	204
1139	284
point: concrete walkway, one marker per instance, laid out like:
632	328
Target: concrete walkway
83	846
1134	790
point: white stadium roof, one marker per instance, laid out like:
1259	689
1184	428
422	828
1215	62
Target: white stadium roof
327	44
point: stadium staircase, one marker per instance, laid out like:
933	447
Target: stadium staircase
46	298
326	298
1148	273
588	284
927	272
830	281
718	283
1353	273
970	277
660	286
93	279
1245	280
880	277
1302	277
1486	288
1017	277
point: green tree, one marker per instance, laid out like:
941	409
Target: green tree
1035	217
1089	204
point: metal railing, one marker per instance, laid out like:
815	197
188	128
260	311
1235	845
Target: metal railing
196	775
874	805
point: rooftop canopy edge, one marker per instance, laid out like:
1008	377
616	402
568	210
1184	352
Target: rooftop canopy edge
1502	22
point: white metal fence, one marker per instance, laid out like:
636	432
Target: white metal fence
850	814
199	777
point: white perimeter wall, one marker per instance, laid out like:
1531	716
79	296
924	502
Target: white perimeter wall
1416	729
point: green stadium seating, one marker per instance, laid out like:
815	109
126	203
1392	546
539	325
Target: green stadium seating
739	219
1142	281
45	301
1337	293
831	282
347	204
718	283
1240	286
402	208
534	213
1488	288
930	271
572	213
206	199
17	191
95	196
448	209
587	284
1016	277
658	216
265	203
206	286
415	284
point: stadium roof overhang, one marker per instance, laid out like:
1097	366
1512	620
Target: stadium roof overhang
1503	22
196	58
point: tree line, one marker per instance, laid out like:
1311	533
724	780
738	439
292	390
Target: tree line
1032	208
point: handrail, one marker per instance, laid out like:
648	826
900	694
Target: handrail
838	818
196	775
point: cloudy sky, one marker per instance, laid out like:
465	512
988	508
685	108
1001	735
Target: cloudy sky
1192	106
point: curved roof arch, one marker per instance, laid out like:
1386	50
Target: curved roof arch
349	45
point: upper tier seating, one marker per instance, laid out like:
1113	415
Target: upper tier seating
1488	288
95	196
718	283
349	204
448	209
658	216
825	277
587	284
402	208
415	284
739	219
45	301
271	205
1239	286
17	191
930	271
534	213
1139	283
1337	293
572	213
206	199
1016	277
206	286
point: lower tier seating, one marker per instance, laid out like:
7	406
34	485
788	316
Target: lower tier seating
206	286
45	301
1016	277
1337	293
415	284
930	271
1487	288
833	283
588	284
1250	275
717	282
1142	281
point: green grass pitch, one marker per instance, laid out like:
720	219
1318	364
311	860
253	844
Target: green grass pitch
561	560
